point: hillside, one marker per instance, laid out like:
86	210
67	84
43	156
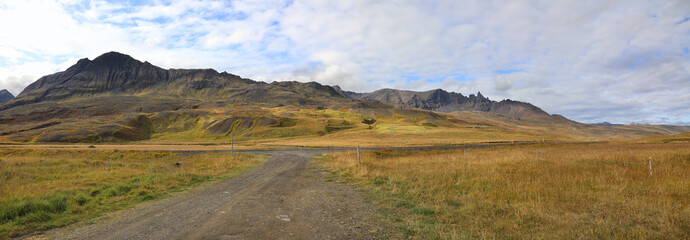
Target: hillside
115	97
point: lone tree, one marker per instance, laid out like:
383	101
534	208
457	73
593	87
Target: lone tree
369	122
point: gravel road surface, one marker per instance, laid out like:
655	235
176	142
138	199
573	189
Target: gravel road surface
285	198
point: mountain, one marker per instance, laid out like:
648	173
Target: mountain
119	74
115	97
116	74
442	101
5	96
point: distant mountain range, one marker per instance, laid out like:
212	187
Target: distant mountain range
116	97
115	73
5	96
443	101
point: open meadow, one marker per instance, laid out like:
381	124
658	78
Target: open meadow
573	191
41	189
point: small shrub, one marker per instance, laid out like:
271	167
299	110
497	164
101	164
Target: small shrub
286	122
82	199
428	124
95	192
405	205
369	122
422	211
119	190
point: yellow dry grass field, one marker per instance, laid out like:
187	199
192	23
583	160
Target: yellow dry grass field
574	191
43	189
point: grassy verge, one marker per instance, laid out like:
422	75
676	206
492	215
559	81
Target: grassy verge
42	189
595	191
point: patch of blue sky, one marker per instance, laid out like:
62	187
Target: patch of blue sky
439	79
62	58
684	20
30	56
78	6
138	3
222	15
435	79
182	39
286	58
463	78
528	60
287	3
508	71
685	52
158	20
410	78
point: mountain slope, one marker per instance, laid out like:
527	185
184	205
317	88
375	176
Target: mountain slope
5	96
443	101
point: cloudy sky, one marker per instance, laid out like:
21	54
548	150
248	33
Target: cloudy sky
591	61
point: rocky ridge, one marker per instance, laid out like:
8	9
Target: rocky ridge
443	101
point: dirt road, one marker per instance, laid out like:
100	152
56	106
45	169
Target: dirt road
285	198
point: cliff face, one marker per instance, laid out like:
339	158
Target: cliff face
5	96
443	101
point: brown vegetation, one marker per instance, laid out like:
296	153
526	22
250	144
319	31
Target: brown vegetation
594	191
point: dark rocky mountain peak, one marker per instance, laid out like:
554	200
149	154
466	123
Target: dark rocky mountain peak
444	101
115	58
111	72
117	74
5	96
481	97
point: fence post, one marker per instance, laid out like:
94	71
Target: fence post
108	164
650	165
465	154
358	161
232	144
537	156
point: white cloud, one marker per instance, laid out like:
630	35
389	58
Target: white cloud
588	60
503	83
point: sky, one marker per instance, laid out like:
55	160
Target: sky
588	60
